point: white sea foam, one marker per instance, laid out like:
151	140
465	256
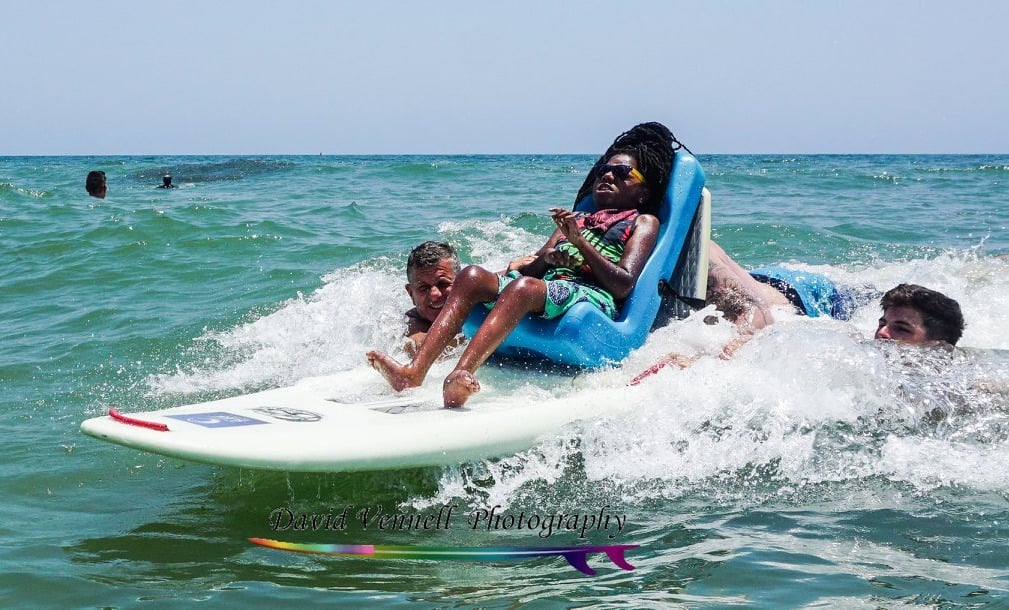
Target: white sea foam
808	401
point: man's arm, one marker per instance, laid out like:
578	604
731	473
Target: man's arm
416	330
739	297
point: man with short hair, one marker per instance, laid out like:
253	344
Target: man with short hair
95	184
918	315
430	271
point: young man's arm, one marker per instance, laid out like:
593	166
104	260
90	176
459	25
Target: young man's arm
740	299
737	296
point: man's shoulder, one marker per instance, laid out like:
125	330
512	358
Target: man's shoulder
415	323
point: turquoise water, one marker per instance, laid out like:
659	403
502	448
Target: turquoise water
803	472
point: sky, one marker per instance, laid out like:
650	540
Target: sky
522	76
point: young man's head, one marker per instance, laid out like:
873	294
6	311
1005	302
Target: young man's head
95	184
431	270
915	314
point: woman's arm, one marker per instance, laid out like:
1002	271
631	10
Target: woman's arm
539	263
616	278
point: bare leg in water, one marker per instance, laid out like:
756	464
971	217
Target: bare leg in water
524	295
473	285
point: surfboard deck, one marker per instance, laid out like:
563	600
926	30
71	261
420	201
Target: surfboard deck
309	428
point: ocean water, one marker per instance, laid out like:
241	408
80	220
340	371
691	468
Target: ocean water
818	468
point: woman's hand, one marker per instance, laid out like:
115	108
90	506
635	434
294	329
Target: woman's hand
567	223
560	258
520	263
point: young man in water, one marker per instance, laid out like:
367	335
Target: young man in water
430	273
911	314
917	315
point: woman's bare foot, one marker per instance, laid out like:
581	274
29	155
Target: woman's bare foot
459	386
399	376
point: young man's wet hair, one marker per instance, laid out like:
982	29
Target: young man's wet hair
940	314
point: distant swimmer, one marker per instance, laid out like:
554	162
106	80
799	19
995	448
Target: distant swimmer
96	184
166	182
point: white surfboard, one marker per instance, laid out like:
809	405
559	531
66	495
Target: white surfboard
308	428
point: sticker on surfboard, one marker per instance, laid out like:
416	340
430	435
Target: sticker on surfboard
217	419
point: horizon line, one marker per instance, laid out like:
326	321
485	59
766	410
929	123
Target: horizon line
490	154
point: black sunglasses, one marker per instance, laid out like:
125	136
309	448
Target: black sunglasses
621	171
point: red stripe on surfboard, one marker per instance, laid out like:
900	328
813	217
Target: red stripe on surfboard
133	421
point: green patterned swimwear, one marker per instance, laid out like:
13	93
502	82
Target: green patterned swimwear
608	232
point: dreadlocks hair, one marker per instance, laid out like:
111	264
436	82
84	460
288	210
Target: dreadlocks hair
940	314
654	147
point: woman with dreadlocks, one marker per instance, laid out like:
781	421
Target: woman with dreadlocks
594	258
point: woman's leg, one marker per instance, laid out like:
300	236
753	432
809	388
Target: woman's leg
524	295
473	285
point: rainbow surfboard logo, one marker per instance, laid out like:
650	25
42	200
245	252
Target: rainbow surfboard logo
577	556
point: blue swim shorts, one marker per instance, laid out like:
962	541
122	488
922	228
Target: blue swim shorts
814	294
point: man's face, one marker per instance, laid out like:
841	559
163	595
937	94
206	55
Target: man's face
902	323
430	288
